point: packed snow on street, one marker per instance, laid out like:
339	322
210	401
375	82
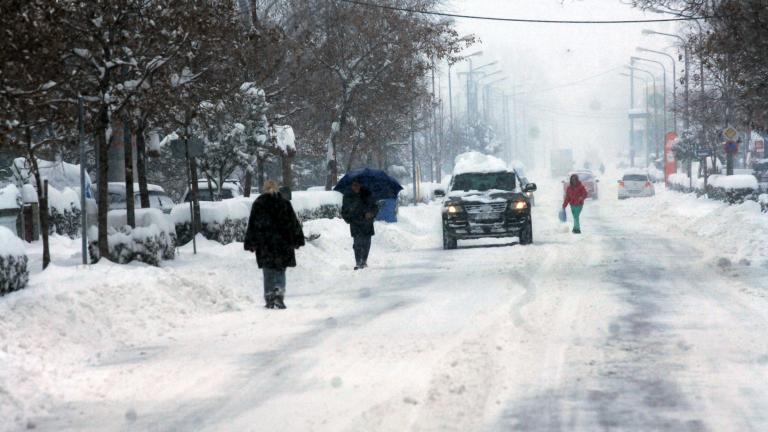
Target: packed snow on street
652	319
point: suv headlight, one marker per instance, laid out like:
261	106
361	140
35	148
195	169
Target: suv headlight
519	205
454	209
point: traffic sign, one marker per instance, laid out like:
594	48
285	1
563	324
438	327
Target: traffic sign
730	133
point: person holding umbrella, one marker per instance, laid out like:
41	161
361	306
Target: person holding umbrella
359	210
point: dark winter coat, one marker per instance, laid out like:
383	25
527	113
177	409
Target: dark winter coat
273	232
353	210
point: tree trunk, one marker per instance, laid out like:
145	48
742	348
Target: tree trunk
130	199
141	165
260	172
287	165
195	193
352	153
42	199
103	184
248	182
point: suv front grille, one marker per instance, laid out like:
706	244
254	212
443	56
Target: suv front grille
496	207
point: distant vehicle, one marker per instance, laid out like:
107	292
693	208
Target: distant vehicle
587	178
487	204
157	197
561	162
229	189
636	184
760	171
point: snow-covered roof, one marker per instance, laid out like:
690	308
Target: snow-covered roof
476	162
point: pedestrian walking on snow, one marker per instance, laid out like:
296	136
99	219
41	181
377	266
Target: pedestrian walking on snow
273	234
359	210
575	195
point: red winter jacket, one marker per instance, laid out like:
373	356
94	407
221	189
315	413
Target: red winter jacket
575	195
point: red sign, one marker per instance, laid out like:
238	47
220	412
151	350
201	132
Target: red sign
670	164
759	146
731	147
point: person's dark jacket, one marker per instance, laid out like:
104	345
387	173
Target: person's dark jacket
353	210
273	232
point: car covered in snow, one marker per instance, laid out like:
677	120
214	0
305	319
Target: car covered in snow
588	179
634	184
157	197
485	199
210	192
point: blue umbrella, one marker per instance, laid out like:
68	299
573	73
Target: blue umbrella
381	185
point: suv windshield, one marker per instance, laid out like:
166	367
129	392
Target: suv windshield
484	181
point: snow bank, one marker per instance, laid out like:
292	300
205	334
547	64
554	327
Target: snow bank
738	232
477	162
13	262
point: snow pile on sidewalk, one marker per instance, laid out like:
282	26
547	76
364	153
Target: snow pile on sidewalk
477	162
13	262
317	204
737	232
70	316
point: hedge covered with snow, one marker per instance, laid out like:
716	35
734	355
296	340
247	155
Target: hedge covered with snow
64	213
734	189
153	239
226	221
13	262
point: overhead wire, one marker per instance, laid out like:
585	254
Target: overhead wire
520	20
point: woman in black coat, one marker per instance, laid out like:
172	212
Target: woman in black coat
273	234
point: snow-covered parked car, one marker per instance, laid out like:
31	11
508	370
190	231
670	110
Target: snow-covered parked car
157	197
485	199
211	192
635	183
588	179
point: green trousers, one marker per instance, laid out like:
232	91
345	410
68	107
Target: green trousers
576	211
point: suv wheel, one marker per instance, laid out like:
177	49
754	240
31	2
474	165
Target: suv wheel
449	242
526	234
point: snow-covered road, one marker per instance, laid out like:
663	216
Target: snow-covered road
635	325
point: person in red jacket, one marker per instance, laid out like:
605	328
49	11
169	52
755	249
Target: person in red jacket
575	196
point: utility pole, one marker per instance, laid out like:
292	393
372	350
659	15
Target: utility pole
83	207
451	143
413	156
631	117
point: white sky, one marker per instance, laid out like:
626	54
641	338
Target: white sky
590	116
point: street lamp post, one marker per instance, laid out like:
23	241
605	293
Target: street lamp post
674	81
664	98
450	108
687	118
655	111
